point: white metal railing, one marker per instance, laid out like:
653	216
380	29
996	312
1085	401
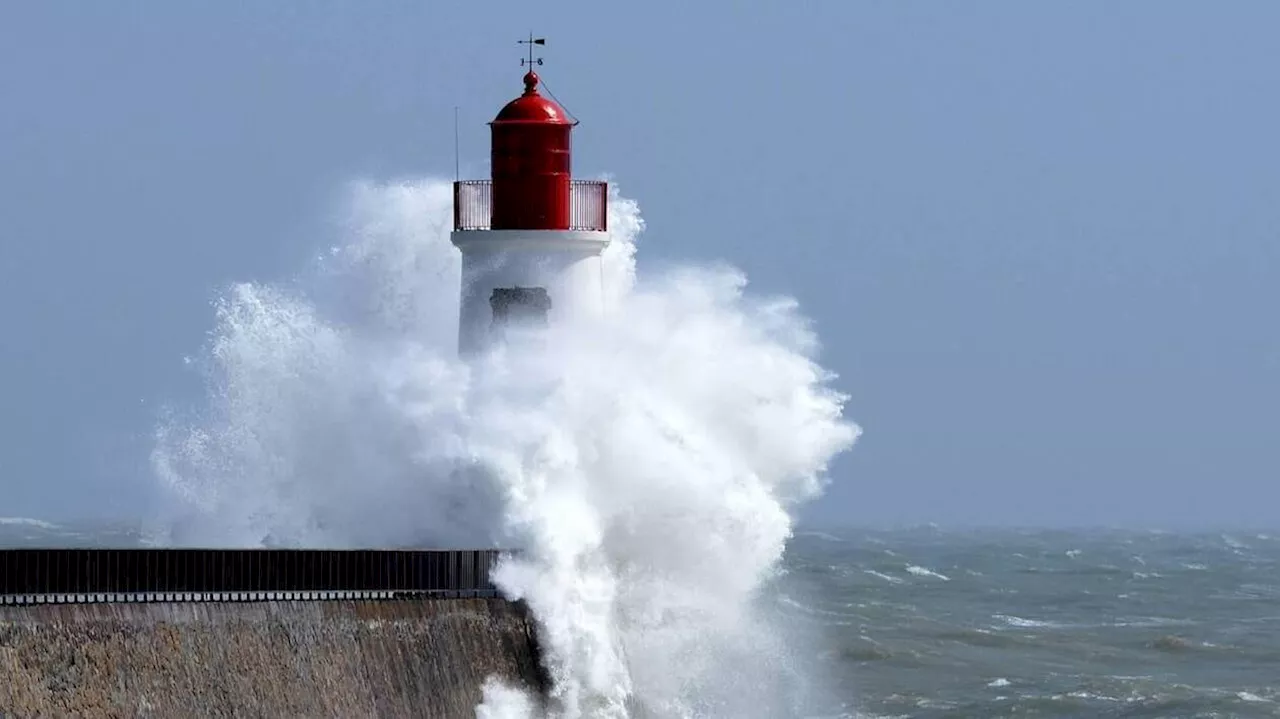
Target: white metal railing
588	205
472	204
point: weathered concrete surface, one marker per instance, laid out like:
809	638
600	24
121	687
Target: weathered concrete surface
411	658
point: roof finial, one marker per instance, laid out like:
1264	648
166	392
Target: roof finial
531	77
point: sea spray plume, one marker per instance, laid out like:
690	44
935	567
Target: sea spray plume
618	260
646	462
318	387
394	274
304	437
651	482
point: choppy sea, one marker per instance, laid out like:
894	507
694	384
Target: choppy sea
936	623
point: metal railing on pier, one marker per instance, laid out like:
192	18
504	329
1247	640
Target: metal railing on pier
43	576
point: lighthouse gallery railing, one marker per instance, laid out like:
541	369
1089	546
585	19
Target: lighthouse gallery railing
588	205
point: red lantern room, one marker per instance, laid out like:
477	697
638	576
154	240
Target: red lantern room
530	163
531	188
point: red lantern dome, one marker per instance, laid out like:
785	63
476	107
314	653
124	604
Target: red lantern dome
533	107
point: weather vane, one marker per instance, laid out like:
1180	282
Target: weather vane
531	42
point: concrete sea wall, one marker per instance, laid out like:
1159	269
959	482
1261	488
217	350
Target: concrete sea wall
349	659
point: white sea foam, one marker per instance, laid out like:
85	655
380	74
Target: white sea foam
27	522
820	535
886	577
648	463
1233	542
1027	623
926	572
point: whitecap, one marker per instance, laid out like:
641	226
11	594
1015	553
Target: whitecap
926	572
886	577
1082	694
820	535
1025	623
1234	543
27	522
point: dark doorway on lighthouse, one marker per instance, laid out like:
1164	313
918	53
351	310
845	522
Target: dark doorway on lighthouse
519	307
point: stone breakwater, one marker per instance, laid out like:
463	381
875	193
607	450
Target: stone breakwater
350	659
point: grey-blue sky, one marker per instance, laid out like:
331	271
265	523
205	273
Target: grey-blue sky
1039	240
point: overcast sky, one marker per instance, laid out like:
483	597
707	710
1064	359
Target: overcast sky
1039	240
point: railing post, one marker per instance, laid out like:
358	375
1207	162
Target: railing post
604	207
487	206
457	205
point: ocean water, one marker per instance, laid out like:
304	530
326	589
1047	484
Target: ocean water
997	623
936	623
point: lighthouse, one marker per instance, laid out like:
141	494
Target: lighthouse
530	236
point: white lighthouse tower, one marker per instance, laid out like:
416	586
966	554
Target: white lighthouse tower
531	236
